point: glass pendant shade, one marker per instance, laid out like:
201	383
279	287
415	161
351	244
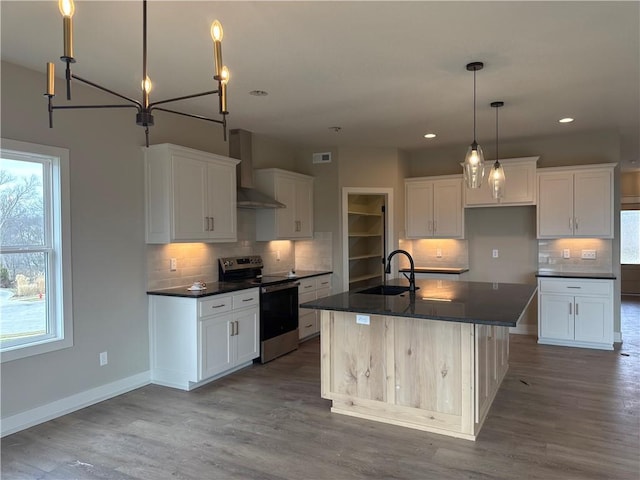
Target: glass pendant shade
496	180
473	167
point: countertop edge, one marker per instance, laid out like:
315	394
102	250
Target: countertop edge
578	275
450	271
223	287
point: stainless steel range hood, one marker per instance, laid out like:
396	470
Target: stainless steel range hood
248	197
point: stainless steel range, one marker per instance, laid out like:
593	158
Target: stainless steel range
278	303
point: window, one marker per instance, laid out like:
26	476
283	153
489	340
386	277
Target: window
35	265
630	237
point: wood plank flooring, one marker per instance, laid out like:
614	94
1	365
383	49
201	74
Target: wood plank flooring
561	413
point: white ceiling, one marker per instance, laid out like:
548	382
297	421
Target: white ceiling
386	72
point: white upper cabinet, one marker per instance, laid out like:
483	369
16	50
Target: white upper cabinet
575	202
295	190
433	207
519	185
190	195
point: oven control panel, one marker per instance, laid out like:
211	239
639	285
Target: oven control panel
240	263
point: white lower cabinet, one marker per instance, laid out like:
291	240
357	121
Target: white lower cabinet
576	312
194	341
308	290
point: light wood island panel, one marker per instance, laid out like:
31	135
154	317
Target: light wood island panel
430	375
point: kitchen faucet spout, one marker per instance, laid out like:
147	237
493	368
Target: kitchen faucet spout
412	274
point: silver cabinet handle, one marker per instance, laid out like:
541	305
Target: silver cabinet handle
570	309
218	306
308	286
571	223
435	226
213	224
324	283
573	287
575	222
309	326
577	308
247	299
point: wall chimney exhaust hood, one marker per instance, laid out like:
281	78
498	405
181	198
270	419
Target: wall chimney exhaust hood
248	197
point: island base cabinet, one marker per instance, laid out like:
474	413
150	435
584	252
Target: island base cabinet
422	374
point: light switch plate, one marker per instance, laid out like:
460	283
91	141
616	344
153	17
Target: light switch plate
589	254
438	252
494	253
566	253
363	319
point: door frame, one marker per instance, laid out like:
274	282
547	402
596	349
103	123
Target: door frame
389	210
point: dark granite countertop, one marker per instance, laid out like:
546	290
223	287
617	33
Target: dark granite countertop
591	275
486	303
450	270
218	288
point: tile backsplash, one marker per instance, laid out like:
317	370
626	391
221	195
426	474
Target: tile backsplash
199	261
436	253
550	255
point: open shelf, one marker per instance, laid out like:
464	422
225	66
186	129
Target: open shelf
365	257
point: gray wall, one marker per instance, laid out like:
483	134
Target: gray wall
107	234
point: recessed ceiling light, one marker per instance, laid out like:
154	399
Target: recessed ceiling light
566	120
258	93
430	135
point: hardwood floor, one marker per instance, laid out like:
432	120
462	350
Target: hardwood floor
561	413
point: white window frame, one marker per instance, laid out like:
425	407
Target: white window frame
57	245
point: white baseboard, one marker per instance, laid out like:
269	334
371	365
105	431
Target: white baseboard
44	413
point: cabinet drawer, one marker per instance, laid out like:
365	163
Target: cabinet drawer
214	305
306	297
307	325
307	285
248	298
576	286
323	282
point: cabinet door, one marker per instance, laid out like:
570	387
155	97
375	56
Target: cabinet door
520	184
303	209
592	322
555	205
556	316
214	343
190	208
286	217
483	366
447	209
419	209
593	207
248	336
221	195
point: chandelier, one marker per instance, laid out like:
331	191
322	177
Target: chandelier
473	166
144	116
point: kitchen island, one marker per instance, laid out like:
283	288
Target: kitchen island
432	360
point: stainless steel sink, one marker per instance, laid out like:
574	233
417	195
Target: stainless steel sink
385	290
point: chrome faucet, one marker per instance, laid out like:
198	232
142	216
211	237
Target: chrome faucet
412	275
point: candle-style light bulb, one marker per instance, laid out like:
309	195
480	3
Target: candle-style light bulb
146	85
217	34
51	69
216	31
67	8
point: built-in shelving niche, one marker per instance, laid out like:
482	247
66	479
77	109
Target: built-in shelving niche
366	239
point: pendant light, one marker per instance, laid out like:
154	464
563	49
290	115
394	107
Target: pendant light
496	175
473	166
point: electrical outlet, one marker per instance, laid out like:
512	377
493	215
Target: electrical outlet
589	254
277	255
439	252
495	253
103	359
173	264
566	253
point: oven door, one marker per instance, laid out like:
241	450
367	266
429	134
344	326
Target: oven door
278	310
